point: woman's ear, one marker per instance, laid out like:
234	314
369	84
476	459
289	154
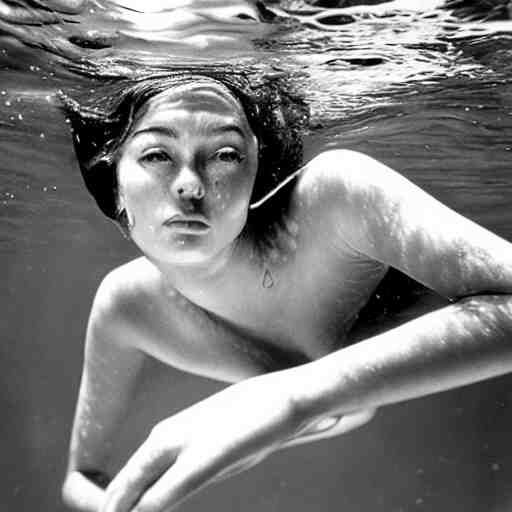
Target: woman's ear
125	221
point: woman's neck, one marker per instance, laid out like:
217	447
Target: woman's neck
211	272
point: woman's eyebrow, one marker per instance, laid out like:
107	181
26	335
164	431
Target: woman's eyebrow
164	130
228	128
170	132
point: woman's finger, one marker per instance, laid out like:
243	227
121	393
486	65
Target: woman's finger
239	467
186	477
145	466
180	481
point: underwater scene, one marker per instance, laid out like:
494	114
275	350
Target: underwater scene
423	86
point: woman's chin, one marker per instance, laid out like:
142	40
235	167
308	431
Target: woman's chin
190	251
189	255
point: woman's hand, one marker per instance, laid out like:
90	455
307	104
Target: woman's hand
218	437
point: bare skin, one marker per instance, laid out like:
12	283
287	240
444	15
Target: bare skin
202	299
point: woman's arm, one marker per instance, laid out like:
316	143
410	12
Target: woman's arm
111	365
460	344
385	217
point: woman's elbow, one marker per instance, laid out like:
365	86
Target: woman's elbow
83	492
67	489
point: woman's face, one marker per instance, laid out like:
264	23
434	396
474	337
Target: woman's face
186	174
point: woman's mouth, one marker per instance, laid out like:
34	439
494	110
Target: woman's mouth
188	225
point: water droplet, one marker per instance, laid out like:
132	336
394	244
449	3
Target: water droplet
268	282
8	103
3	93
20	117
41	135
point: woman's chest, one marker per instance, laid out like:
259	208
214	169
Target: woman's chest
301	304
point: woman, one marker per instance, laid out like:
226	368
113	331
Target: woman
261	287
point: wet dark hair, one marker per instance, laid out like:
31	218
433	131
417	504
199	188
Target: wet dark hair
102	119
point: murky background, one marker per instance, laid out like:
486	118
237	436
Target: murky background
423	86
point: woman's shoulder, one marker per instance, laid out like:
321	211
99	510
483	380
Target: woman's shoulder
336	179
125	292
338	170
343	195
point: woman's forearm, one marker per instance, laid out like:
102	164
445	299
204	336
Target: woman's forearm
81	494
465	342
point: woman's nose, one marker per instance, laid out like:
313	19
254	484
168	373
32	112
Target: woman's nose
188	185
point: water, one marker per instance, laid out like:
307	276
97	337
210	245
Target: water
424	88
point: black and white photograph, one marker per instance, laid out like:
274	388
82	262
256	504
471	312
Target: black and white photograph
256	255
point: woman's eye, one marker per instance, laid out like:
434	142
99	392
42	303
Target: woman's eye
228	155
155	157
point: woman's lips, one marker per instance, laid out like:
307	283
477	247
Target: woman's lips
188	225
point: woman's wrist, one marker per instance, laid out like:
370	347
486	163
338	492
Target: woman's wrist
327	387
310	395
